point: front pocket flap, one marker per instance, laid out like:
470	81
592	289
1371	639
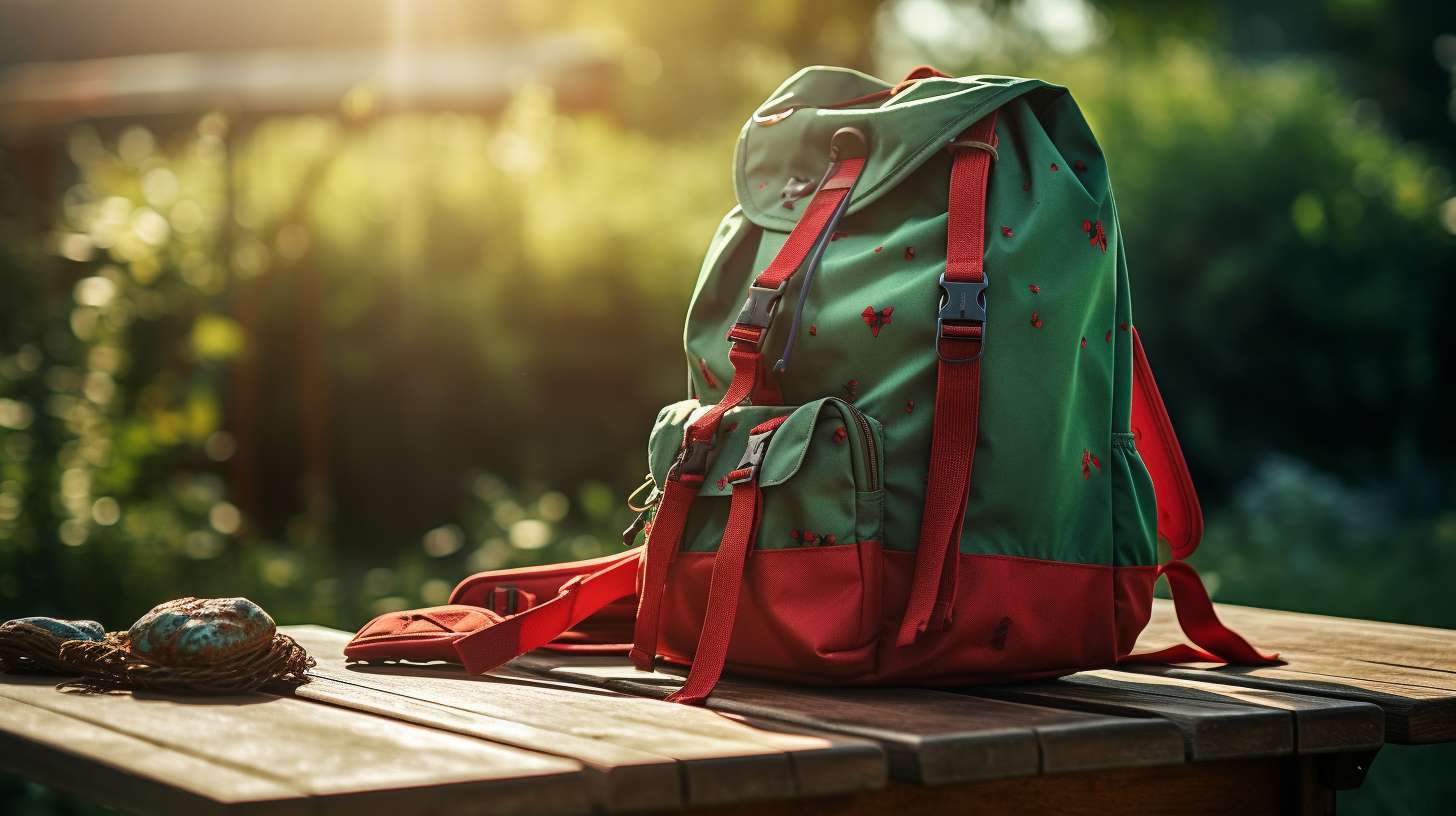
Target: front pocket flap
828	423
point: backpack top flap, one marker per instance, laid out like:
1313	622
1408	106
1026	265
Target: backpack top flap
788	136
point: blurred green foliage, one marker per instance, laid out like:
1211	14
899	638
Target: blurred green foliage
336	362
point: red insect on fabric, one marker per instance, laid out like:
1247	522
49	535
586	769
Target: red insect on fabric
1079	165
877	320
840	434
1084	342
1036	320
909	253
1108	338
1089	461
1006	231
1096	235
1033	288
813	330
1055	168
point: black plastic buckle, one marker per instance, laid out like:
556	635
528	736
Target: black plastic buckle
753	456
693	460
758	309
961	302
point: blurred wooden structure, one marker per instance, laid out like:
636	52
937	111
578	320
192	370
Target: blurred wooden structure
41	101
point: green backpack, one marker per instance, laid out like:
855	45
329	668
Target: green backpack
929	450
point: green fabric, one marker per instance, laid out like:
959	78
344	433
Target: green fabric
818	473
1048	480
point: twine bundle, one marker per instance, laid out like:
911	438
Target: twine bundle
109	664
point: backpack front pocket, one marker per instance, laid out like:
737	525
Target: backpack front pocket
810	602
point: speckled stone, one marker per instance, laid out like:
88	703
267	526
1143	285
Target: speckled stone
68	629
201	631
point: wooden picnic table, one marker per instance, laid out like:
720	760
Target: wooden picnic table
552	733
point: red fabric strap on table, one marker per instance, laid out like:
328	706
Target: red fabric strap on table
957	399
579	599
1216	643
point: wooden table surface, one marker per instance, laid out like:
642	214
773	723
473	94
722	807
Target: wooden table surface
557	734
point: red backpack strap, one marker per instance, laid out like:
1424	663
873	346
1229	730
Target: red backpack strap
578	599
960	332
685	477
1180	518
727	582
1180	522
494	616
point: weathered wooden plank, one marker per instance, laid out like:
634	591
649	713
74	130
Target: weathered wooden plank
336	760
1408	671
685	755
130	773
1211	730
1321	724
621	779
932	737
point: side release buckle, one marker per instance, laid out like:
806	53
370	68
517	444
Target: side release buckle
961	302
753	454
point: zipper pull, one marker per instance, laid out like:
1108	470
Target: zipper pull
629	535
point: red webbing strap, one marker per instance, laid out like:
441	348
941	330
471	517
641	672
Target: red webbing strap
1180	518
682	486
1180	523
579	598
723	592
957	398
1216	642
728	563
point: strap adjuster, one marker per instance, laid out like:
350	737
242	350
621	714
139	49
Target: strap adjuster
693	460
753	455
758	310
961	302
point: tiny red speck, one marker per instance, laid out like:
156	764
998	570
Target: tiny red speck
1084	342
1035	320
813	329
840	434
836	235
879	249
810	538
723	482
909	406
1033	288
829	540
909	253
1026	186
708	378
795	535
1108	338
730	427
1054	167
1086	225
1079	165
1122	325
1006	231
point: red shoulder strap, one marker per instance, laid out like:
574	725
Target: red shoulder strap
1180	518
1180	522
